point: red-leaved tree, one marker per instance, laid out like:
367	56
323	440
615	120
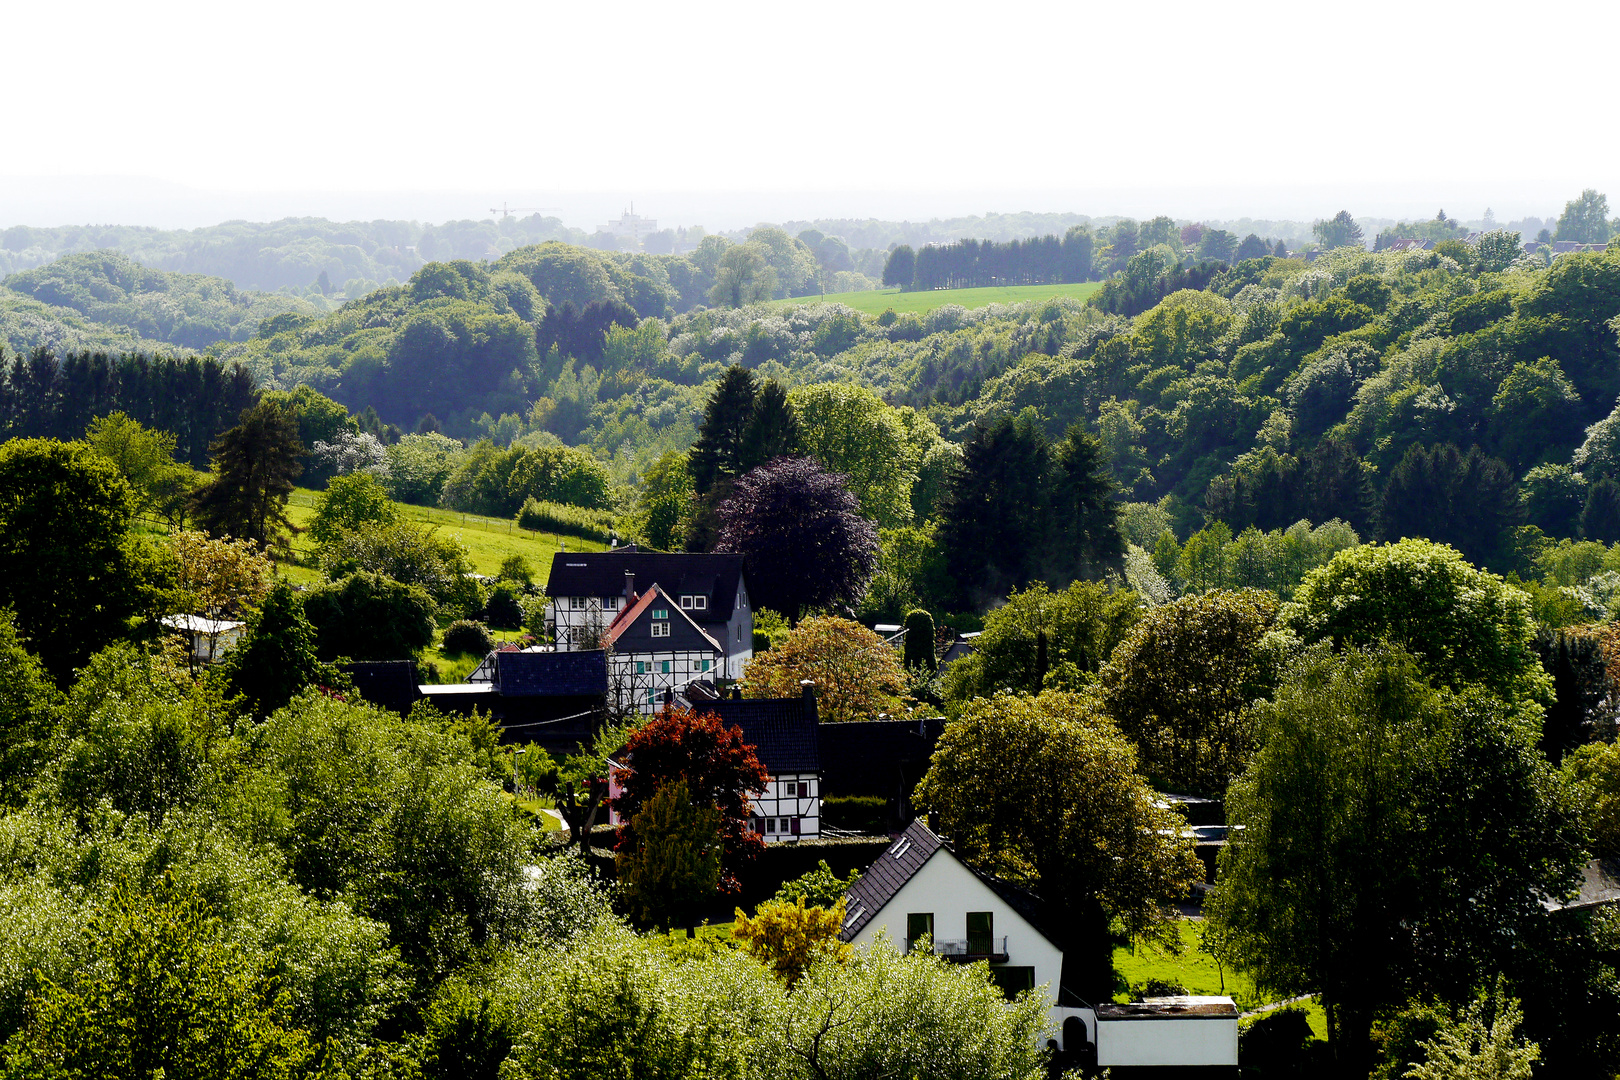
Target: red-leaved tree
720	770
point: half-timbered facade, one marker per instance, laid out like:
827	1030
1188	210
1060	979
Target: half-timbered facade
783	733
655	647
587	591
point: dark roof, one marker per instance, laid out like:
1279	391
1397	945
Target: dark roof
781	730
551	674
601	573
876	757
897	865
900	863
388	683
630	618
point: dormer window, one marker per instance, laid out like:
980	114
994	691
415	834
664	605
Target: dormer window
695	603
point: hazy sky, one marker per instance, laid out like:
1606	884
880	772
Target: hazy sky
715	110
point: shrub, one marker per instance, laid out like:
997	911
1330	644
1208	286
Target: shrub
537	516
1275	1044
861	813
467	637
503	610
920	640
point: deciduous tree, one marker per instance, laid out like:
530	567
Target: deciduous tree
720	771
1181	683
1044	790
857	675
1396	840
675	864
803	539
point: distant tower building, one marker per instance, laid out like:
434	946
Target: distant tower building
630	226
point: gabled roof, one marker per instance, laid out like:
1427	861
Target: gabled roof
782	731
897	865
901	862
551	674
601	573
627	617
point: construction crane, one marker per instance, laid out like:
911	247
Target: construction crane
507	211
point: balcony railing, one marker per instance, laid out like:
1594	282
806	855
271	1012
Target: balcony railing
974	948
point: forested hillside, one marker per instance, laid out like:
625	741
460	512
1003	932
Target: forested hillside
130	307
1458	393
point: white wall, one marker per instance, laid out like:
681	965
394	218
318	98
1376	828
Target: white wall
950	890
1182	1040
776	803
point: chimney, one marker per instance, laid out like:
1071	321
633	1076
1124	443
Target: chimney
807	687
933	822
629	587
736	693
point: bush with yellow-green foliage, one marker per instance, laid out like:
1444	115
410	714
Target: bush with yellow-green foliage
787	937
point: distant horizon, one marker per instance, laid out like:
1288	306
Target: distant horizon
148	202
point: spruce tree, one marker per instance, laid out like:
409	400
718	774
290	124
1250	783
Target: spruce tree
256	465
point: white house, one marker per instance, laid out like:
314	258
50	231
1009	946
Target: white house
653	647
210	638
784	733
919	890
587	590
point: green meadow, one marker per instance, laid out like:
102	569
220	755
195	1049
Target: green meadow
875	302
489	541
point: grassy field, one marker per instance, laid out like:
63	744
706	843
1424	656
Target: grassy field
876	302
488	540
1200	974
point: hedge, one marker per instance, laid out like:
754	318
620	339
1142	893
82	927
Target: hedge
565	520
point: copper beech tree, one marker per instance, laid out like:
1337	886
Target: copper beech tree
719	769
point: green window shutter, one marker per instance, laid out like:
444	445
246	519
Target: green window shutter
666	667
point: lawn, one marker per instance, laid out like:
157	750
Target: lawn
1199	973
488	541
875	302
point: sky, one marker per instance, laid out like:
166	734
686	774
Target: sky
710	112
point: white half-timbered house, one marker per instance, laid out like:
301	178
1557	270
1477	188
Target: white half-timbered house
654	647
784	735
588	589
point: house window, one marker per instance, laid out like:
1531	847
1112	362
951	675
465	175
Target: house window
1013	980
576	603
610	603
700	603
770	824
660	629
666	667
686	603
981	930
919	925
660	613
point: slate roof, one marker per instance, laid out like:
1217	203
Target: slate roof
601	573
901	861
627	617
551	674
897	865
783	731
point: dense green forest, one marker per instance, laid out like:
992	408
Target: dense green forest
1460	393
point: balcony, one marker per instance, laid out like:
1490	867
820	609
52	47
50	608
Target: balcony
973	949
